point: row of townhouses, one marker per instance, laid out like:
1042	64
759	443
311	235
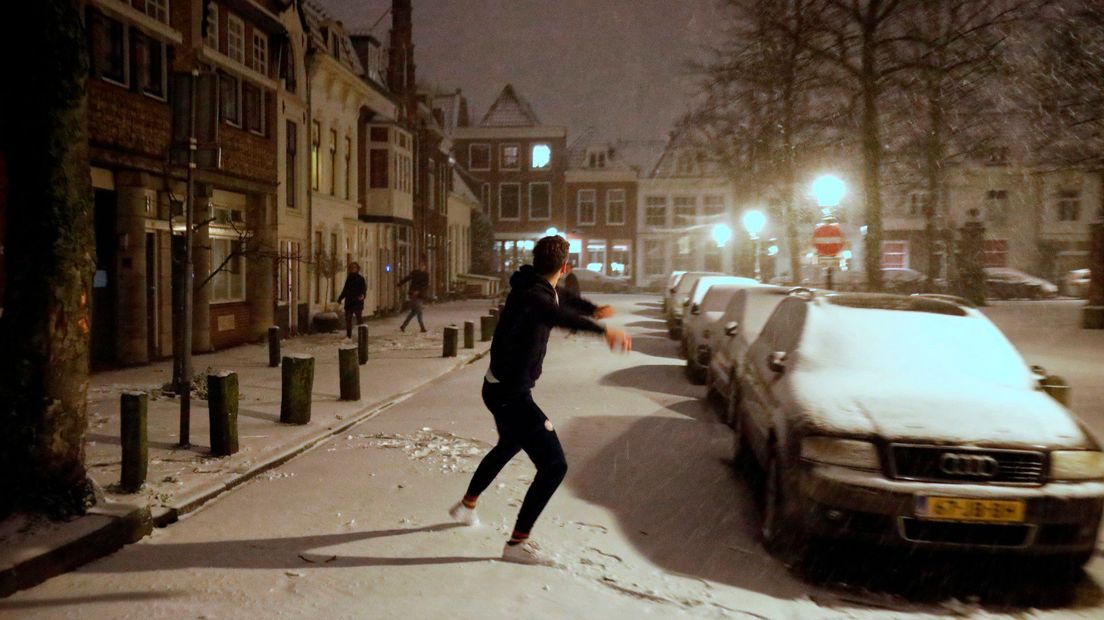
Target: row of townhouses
322	152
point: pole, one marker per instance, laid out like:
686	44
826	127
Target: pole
185	385
828	278
758	272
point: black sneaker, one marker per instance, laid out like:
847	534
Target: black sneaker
402	328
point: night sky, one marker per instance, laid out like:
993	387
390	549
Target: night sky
618	65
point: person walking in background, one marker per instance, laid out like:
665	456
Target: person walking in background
419	284
356	287
532	309
571	281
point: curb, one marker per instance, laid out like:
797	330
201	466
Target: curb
110	526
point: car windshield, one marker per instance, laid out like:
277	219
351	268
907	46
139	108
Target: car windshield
911	344
759	306
687	282
716	300
707	283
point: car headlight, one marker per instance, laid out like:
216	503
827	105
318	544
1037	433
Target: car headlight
1076	465
853	453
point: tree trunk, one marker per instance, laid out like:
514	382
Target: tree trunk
933	168
44	329
872	168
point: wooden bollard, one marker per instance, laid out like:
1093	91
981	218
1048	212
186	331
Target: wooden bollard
362	344
486	328
133	407
469	334
452	336
348	370
222	409
273	346
296	388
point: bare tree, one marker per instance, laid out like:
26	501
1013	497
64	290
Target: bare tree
44	329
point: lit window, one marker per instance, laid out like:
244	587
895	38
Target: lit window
316	139
540	156
235	38
260	53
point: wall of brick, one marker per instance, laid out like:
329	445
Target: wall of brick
119	119
247	154
229	324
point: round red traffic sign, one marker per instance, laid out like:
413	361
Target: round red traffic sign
828	239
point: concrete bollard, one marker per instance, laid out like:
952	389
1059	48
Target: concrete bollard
273	346
452	335
133	435
486	328
222	409
297	384
469	334
348	369
362	344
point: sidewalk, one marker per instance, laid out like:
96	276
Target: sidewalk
180	480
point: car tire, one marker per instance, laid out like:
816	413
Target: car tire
711	393
732	402
694	372
782	534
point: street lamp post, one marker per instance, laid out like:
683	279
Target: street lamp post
754	222
828	190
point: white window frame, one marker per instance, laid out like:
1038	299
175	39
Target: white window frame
593	200
471	150
260	53
158	9
904	254
502	186
232	21
246	121
212	40
164	96
530	196
532	152
223	277
127	64
502	157
610	200
666	211
1065	197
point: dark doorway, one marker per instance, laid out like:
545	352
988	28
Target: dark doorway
103	282
153	326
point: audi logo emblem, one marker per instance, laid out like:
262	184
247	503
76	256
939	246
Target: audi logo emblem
971	465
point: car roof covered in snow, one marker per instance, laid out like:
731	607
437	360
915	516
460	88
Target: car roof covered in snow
703	285
879	301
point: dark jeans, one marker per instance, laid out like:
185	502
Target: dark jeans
415	311
521	426
349	314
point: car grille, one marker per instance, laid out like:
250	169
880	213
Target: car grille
998	466
985	534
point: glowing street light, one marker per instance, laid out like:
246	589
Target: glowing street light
722	234
551	232
828	190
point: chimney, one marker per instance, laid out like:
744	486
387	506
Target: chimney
401	69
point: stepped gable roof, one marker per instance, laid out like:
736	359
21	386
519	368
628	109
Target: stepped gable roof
321	25
510	110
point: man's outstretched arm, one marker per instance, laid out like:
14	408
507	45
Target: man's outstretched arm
582	305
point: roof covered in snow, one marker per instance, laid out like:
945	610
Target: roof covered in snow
510	110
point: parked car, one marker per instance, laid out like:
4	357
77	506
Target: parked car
1006	283
702	321
594	282
1076	283
678	299
669	289
738	327
913	422
697	295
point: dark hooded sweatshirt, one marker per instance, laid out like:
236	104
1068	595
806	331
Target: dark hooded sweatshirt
531	311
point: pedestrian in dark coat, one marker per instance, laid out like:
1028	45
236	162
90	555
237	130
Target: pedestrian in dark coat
353	293
419	286
533	308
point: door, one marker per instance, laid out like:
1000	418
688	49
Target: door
102	352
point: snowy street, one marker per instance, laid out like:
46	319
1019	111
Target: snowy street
651	521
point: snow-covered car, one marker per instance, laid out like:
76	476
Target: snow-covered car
1007	283
913	422
692	306
669	288
701	322
738	327
681	293
1076	283
594	282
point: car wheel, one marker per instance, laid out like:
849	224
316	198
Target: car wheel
711	393
694	372
732	402
781	532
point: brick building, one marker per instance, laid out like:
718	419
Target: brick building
519	167
601	207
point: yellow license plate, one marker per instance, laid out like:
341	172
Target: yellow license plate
962	509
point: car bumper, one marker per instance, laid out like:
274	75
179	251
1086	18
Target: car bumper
1060	518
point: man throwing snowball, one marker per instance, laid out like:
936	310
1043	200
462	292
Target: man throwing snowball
532	309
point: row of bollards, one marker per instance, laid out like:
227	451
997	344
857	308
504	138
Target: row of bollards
296	388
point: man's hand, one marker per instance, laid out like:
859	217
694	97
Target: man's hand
603	312
617	339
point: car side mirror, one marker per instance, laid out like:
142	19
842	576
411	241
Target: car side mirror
731	327
777	362
695	309
1057	388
